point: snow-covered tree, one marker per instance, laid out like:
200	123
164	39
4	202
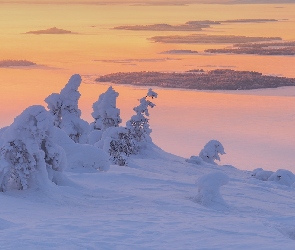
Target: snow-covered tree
64	108
211	151
121	142
118	143
105	112
138	125
27	151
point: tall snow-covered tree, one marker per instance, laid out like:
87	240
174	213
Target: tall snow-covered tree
27	154
138	125
211	151
64	108
105	112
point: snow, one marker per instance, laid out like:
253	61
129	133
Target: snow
158	201
105	112
150	205
211	151
81	157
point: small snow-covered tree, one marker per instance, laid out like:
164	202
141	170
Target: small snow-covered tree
138	125
64	108
105	112
117	142
26	151
211	151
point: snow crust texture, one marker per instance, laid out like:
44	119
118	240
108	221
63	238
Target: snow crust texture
151	205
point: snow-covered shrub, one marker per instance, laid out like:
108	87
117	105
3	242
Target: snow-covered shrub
195	160
118	143
64	108
138	125
211	151
105	112
208	189
282	176
261	174
27	151
81	157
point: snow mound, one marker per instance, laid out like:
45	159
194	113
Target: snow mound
283	177
261	174
195	160
81	157
209	190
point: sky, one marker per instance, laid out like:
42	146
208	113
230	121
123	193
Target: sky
146	1
95	48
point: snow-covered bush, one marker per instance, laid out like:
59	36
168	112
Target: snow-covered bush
81	157
282	176
118	143
27	151
261	174
105	112
208	189
211	151
64	108
138	125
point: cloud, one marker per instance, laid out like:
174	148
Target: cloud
190	25
179	51
54	30
133	61
16	63
257	20
270	48
197	38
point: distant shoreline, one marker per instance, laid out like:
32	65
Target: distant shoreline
219	79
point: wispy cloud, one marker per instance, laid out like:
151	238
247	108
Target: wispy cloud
54	31
179	51
133	61
197	38
190	25
16	63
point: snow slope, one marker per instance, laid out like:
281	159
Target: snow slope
150	205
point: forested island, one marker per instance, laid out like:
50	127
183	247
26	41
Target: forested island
218	79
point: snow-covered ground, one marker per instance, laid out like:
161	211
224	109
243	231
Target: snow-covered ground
151	204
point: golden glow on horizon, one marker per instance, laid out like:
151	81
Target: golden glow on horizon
58	56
